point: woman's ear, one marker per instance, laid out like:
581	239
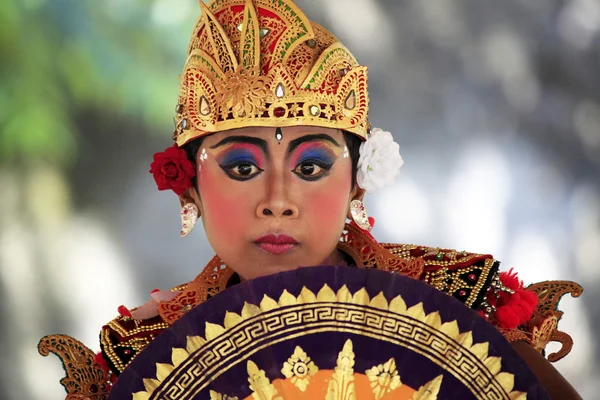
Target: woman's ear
191	196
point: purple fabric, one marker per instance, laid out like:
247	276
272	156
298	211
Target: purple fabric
323	348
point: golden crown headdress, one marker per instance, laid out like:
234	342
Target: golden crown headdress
263	63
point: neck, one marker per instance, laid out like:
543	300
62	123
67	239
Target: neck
335	258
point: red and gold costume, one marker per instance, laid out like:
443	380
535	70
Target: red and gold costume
472	278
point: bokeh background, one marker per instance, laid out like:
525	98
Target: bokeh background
496	106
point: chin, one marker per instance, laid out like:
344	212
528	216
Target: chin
266	270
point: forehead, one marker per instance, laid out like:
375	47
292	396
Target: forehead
268	133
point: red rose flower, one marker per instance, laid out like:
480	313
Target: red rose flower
172	170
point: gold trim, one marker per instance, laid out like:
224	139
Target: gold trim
276	39
391	321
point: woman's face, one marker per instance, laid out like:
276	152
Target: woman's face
271	205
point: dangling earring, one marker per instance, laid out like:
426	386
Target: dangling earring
189	217
359	215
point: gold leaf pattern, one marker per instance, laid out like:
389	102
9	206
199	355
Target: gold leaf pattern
261	386
384	378
341	386
430	390
300	368
242	93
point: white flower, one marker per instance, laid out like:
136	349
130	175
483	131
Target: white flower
379	161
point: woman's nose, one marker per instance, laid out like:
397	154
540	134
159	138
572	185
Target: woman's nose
277	201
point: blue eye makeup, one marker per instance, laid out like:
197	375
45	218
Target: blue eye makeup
236	157
241	161
316	154
312	161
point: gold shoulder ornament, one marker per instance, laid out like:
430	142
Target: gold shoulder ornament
544	326
85	379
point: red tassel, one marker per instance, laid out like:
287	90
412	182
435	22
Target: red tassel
511	280
372	222
514	309
99	359
101	362
124	311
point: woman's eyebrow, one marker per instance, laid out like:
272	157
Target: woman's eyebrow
310	138
243	139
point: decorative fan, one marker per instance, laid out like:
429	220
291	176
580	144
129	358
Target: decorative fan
329	333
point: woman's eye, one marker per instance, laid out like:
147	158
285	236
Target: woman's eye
310	170
244	171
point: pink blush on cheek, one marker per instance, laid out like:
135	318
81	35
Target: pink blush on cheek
328	204
225	215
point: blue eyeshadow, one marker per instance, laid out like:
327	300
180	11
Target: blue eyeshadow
316	154
237	156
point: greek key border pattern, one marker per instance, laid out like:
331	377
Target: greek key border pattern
204	365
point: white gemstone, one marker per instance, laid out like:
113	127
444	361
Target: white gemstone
351	101
280	91
204	106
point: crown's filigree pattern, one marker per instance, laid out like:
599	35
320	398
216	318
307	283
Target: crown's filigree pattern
241	51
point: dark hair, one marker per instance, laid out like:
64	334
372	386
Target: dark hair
352	142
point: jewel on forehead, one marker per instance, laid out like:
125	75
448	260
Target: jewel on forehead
278	134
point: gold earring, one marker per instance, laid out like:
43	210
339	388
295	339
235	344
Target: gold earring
359	215
189	217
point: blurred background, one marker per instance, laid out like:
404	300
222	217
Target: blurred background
496	106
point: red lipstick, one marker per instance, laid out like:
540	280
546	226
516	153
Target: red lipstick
276	244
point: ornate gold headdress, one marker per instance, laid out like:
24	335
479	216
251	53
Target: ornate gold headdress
263	63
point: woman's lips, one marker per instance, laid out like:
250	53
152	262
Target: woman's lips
276	244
